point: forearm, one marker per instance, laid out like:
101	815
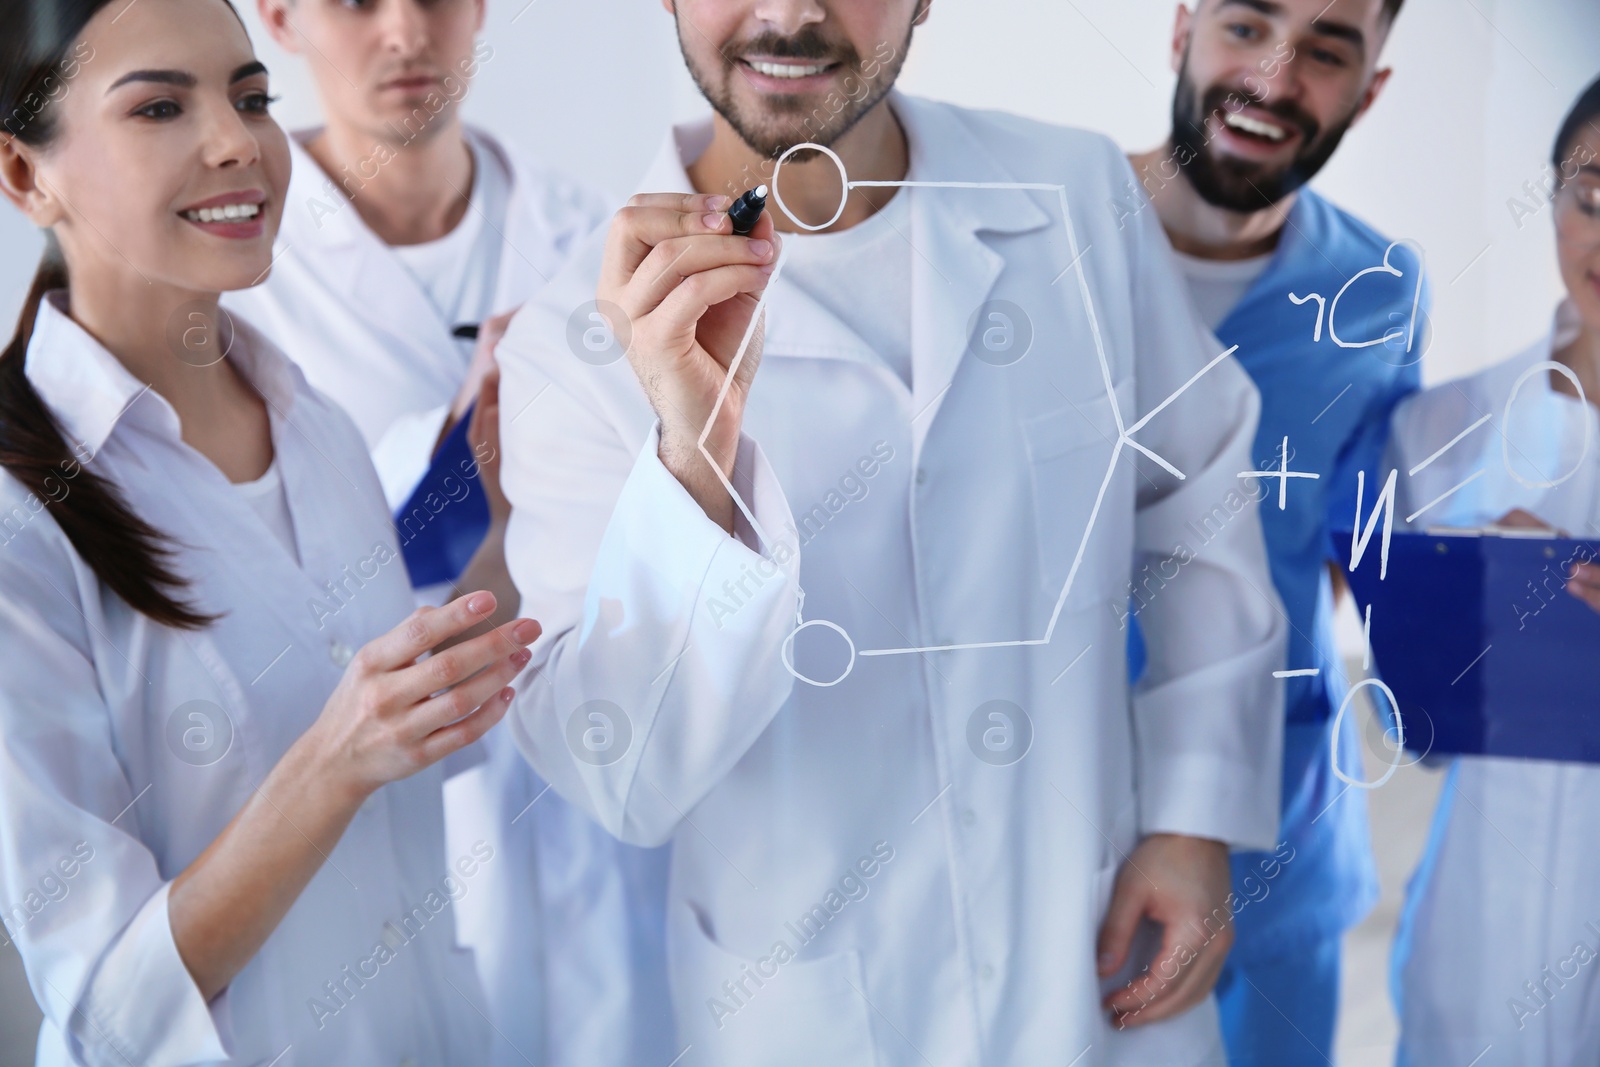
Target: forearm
225	904
684	460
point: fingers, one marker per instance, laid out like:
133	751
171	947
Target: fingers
1585	584
484	425
460	662
494	327
651	218
1179	977
699	293
440	711
671	262
458	735
1122	919
1519	518
424	629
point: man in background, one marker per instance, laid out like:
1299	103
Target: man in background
1266	91
406	234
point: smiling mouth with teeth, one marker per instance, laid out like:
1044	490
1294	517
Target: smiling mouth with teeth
787	70
1255	128
227	213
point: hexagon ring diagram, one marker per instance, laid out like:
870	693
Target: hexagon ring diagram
1125	431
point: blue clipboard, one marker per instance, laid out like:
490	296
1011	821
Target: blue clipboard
1485	651
446	517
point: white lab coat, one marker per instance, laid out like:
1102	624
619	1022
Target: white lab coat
957	901
1507	890
366	332
557	938
107	772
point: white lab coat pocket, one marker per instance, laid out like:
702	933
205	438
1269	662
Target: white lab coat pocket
774	1011
1069	452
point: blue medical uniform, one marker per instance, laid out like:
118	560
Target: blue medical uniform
1279	990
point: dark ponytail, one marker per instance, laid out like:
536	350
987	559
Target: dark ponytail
37	62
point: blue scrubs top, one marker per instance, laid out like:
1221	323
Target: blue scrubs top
1333	404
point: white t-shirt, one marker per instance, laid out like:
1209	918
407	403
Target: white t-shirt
268	495
1217	285
459	270
863	277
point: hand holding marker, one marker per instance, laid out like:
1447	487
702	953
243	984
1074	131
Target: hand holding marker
747	209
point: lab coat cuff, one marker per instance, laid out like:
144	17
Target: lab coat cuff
1200	795
404	453
144	1002
699	574
660	503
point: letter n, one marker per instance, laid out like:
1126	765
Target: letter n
1384	506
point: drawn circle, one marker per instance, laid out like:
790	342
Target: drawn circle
199	733
199	333
1412	738
787	652
1405	345
999	333
599	733
1505	422
599	332
844	178
1400	739
999	733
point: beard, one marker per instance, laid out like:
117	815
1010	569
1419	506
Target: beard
782	121
1242	185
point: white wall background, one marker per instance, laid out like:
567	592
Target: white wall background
1479	89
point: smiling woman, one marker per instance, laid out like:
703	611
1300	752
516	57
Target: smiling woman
166	703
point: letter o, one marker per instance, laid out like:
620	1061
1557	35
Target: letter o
1505	423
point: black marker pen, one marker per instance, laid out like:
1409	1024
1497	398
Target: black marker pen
747	210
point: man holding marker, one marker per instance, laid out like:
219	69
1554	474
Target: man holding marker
902	771
1266	91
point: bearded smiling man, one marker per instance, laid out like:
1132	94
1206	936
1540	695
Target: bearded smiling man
1266	91
930	693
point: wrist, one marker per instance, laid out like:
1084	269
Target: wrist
318	769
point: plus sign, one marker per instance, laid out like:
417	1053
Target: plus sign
1283	474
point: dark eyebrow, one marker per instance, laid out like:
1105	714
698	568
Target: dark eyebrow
163	77
183	78
1342	31
1265	7
1320	26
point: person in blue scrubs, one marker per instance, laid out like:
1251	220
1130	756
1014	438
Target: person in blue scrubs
1329	319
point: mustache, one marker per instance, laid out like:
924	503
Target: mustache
808	44
1217	100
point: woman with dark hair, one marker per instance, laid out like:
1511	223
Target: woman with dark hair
1498	957
221	825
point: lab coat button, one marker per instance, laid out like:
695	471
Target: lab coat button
340	653
408	1062
968	817
922	476
987	972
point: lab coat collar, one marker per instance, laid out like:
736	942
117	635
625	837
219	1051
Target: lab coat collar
90	391
1566	327
953	268
364	272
